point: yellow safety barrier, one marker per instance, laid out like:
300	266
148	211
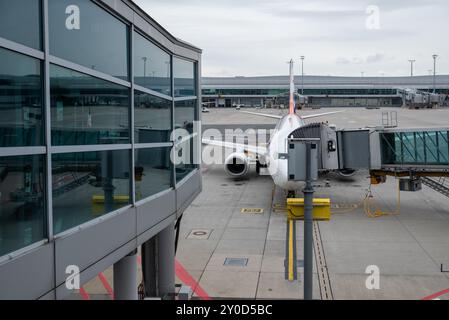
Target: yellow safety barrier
117	199
98	203
321	209
291	252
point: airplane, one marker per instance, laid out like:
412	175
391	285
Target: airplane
237	164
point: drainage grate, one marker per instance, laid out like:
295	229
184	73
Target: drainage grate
199	234
252	210
236	262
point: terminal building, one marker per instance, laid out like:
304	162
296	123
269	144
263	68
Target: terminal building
90	92
321	91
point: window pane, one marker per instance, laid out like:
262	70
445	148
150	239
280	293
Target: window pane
22	195
88	185
20	21
184	159
151	66
99	41
185	114
184	73
86	110
152	118
153	171
20	100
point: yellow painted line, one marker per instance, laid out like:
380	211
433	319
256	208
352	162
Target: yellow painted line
290	251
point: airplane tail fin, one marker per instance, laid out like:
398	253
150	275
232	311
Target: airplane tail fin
292	109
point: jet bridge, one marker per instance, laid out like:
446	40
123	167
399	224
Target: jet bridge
408	153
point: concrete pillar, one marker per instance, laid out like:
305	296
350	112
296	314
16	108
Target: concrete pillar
166	262
149	267
125	278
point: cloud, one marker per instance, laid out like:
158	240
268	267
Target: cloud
375	58
256	37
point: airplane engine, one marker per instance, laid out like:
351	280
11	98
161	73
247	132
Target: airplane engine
237	165
346	172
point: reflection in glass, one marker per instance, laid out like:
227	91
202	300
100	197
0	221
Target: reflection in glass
185	114
20	22
184	158
152	171
22	195
99	41
88	185
184	74
152	119
21	100
87	110
151	66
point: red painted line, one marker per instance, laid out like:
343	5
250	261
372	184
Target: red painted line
436	295
84	294
185	277
106	285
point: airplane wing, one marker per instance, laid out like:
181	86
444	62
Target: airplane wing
273	116
320	114
238	146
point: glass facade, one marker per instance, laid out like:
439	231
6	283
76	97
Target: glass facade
152	118
86	110
153	171
20	21
87	185
79	167
20	100
84	33
184	78
152	66
22	198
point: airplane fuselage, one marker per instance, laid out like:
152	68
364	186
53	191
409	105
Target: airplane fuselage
278	168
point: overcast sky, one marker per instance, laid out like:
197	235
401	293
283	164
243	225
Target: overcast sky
257	37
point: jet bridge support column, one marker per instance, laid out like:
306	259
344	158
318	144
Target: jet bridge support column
149	267
308	226
125	278
166	262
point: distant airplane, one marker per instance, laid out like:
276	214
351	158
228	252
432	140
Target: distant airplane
237	164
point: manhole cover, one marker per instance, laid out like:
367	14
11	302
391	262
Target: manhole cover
199	234
236	262
252	210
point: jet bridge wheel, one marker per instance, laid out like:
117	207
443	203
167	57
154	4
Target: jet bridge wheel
259	165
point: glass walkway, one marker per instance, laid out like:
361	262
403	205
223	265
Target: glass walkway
408	148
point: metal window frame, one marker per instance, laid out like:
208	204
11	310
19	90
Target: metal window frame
152	92
22	151
131	62
153	145
22	49
88	71
90	148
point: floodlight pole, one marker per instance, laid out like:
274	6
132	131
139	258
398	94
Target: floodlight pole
412	61
308	226
302	75
434	72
